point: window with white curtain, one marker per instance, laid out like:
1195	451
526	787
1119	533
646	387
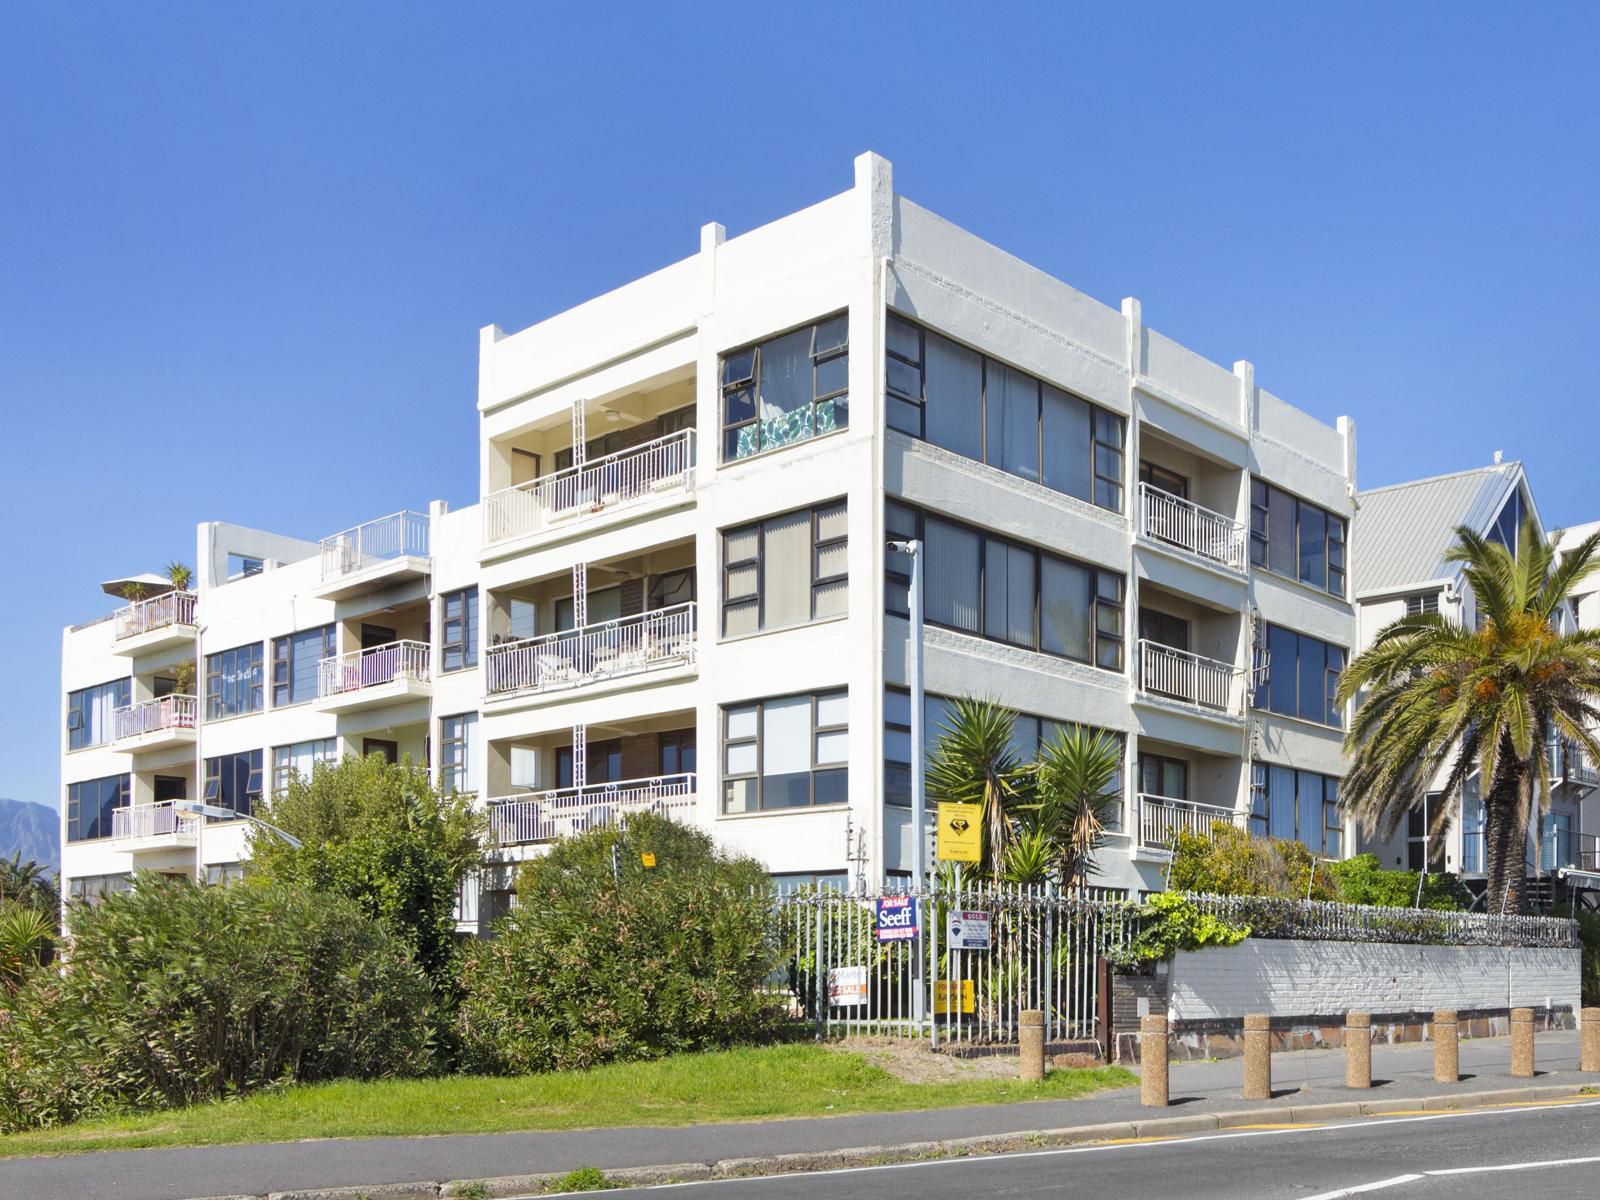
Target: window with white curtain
300	758
785	752
90	712
785	570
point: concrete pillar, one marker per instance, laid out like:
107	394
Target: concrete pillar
1153	1061
1257	1057
1522	1043
1446	1047
1031	1045
1357	1049
1589	1033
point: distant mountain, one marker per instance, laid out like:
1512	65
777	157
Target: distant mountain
32	829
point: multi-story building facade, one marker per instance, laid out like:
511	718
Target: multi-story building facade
674	590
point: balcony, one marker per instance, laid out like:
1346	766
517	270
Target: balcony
1567	763
1162	818
157	724
1205	685
381	553
546	816
1173	522
153	827
656	474
377	675
575	658
155	624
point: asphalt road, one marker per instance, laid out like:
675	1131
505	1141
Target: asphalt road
1532	1153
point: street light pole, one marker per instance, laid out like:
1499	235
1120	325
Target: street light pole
227	814
919	838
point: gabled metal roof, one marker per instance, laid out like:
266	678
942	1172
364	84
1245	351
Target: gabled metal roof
1401	532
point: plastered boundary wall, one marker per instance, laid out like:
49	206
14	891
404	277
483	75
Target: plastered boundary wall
1306	987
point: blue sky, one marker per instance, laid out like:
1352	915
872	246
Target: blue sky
245	249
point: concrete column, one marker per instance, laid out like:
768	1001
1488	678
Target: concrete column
1031	1045
1153	1064
1357	1049
1589	1034
1446	1047
1522	1043
1257	1057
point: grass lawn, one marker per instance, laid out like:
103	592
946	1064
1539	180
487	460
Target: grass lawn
737	1085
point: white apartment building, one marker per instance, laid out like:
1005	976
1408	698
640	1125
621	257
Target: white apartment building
1400	538
674	592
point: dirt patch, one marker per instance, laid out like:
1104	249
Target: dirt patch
911	1060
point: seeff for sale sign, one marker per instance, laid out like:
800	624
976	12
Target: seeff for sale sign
897	918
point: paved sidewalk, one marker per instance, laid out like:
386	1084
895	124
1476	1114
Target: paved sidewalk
1299	1078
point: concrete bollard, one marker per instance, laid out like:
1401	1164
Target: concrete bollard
1446	1046
1031	1045
1358	1050
1257	1057
1153	1061
1589	1056
1522	1043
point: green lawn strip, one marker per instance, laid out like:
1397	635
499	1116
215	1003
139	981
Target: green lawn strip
734	1085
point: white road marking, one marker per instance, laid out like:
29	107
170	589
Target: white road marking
1382	1184
1378	1186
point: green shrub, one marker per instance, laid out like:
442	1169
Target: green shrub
1362	880
607	959
1169	922
584	1179
176	994
27	942
1230	862
1589	934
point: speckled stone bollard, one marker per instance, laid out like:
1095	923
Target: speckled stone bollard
1589	1055
1522	1043
1446	1046
1031	1045
1153	1061
1257	1057
1357	1050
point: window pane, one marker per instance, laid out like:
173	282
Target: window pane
739	366
832	560
741	759
786	582
832	522
1009	593
1280	802
1066	444
830	599
951	575
955	389
1064	609
1282	550
786	752
785	389
832	334
1313	703
1313	546
833	747
1013	415
833	708
742	722
902	338
833	375
1282	682
907	418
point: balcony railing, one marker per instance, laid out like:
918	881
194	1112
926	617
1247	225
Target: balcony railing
1182	523
1162	819
633	645
1567	762
1203	683
142	821
158	612
399	535
152	716
546	816
660	467
373	667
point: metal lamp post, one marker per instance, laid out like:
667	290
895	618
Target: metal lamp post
227	814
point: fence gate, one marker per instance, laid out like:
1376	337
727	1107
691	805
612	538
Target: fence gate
953	965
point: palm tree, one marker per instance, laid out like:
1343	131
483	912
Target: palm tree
179	575
975	762
28	883
1075	782
1443	701
27	941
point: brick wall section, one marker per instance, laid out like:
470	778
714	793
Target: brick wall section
1126	993
632	597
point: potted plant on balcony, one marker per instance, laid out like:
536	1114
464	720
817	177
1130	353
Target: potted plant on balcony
179	575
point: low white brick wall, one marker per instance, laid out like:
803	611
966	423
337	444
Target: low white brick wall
1290	979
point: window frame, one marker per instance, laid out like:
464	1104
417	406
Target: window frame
253	688
120	796
465	642
1261	695
758	739
285	662
453	774
1330	816
838	398
739	601
1335	539
250	790
81	701
281	772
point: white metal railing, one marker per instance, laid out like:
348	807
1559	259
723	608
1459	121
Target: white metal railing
1183	523
1163	818
158	612
372	667
1190	679
662	466
545	816
398	535
153	820
151	716
1567	762
627	646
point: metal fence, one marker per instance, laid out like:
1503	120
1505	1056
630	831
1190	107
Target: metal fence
955	966
1328	921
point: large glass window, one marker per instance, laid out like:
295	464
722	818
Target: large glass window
1293	537
1507	527
234	781
90	804
294	664
985	410
91	712
786	752
233	682
300	759
786	389
785	570
676	752
457	761
602	763
1006	591
458	630
1300	676
1298	806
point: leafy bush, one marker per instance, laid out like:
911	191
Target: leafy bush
1362	880
607	959
29	884
1230	862
177	994
27	942
1169	922
379	834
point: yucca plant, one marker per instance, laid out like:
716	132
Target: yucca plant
179	575
27	942
1075	799
975	762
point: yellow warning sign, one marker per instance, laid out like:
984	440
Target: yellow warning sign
648	858
960	833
